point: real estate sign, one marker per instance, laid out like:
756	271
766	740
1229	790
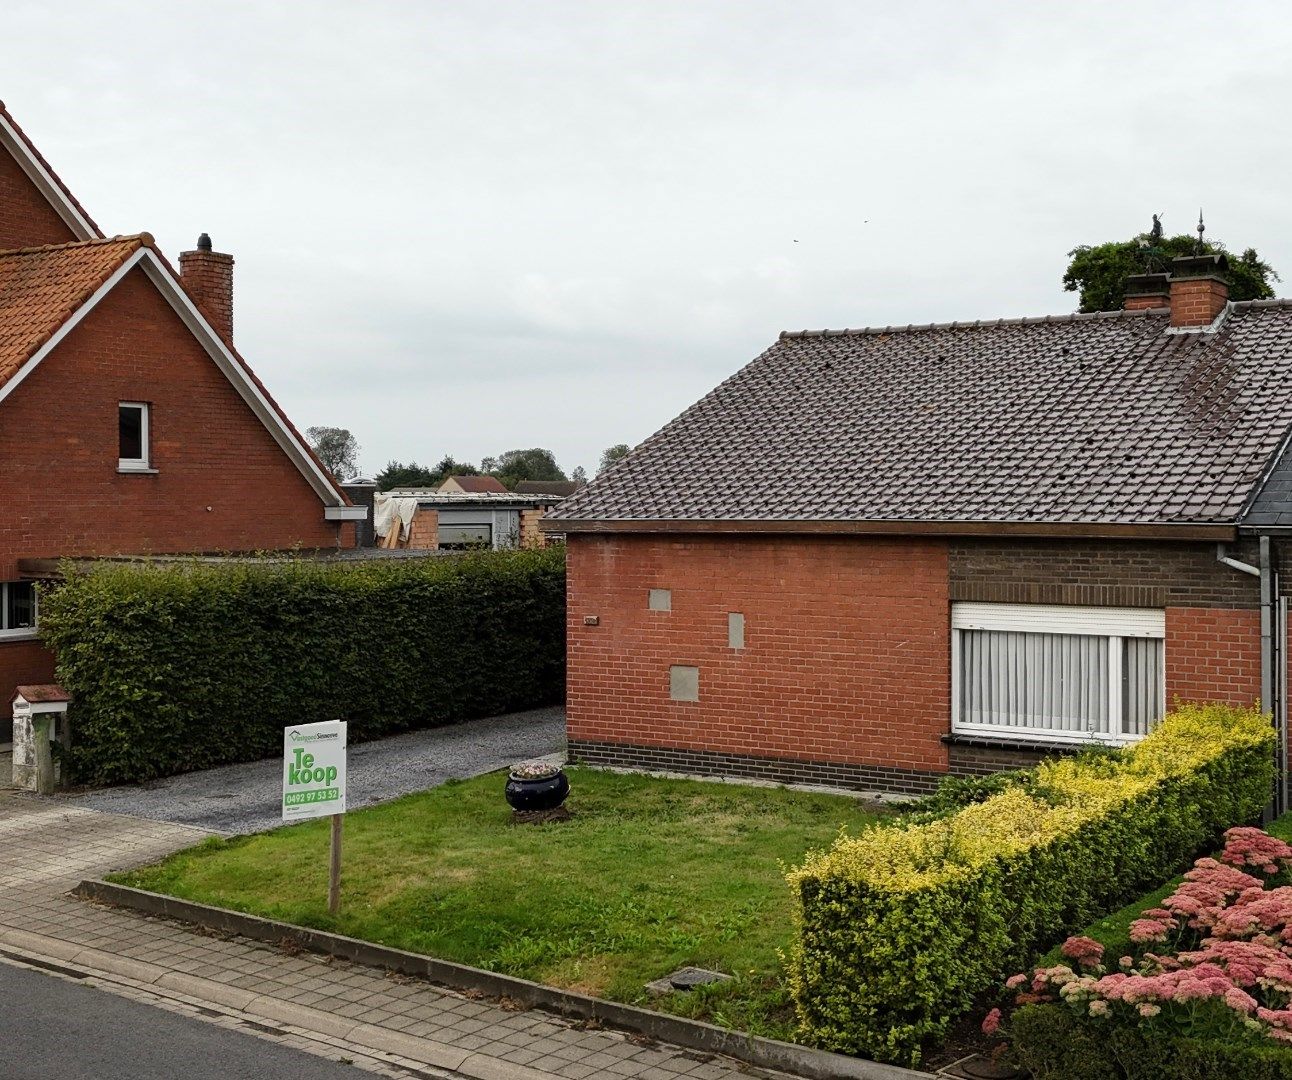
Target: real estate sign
314	770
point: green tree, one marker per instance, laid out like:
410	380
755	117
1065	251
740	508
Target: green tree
398	475
336	448
611	455
514	465
1099	273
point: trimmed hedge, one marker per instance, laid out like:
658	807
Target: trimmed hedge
183	667
899	929
1053	1043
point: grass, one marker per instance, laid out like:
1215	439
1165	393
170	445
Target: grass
648	876
1113	931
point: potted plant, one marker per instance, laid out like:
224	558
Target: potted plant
536	785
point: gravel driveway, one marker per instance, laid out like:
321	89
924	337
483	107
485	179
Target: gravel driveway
248	798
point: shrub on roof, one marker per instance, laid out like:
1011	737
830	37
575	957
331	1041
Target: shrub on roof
900	929
183	667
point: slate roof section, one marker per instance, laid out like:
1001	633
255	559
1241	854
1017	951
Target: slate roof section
42	287
1107	418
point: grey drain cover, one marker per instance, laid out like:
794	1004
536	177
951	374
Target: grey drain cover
685	979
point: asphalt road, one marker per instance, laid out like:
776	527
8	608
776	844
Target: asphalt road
248	798
58	1030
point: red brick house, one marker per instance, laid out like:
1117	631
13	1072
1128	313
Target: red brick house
129	425
874	557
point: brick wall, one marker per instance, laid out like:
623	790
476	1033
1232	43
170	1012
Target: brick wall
530	537
845	656
222	483
844	677
424	532
26	218
1100	573
1213	655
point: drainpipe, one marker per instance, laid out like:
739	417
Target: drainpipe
1273	675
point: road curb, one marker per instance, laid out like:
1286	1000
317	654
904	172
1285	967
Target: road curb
801	1061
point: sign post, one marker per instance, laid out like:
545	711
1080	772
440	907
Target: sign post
314	786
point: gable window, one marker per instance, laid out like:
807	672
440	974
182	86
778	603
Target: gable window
1066	674
132	437
17	609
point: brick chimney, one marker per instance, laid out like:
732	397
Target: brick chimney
1194	290
208	276
1198	292
1148	291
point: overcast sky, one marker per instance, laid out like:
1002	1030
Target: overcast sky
470	227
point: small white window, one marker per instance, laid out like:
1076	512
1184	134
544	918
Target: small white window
17	609
132	436
1065	674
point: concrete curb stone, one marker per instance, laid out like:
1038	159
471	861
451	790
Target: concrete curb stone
767	1053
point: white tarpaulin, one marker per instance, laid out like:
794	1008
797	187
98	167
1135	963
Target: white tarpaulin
386	510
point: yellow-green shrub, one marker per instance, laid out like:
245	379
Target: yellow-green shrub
899	929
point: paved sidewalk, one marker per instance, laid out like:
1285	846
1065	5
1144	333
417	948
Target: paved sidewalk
395	1026
247	797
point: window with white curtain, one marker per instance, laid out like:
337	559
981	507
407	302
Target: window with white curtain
1066	674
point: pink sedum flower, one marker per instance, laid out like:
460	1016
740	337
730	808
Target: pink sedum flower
991	1022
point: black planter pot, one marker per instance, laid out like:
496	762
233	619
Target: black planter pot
545	794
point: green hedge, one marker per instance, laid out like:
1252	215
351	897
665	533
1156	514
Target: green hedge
899	929
188	666
1053	1043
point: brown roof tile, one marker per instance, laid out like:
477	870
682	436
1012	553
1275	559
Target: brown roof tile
478	484
1106	418
42	287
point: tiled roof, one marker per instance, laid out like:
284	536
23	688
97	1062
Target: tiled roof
1108	418
563	488
42	287
478	484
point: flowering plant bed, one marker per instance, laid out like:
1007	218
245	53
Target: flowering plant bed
1203	987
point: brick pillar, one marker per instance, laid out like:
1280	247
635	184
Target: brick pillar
424	533
530	537
208	277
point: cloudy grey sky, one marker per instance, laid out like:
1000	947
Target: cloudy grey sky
476	226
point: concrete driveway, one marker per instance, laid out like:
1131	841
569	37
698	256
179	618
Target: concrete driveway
248	798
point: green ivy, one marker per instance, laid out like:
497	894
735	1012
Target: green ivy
183	667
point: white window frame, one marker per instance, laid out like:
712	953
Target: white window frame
1115	624
139	464
20	633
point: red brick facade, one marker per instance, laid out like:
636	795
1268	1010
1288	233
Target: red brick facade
221	484
26	218
1213	654
844	676
845	656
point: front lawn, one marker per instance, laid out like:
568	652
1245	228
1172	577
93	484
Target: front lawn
648	876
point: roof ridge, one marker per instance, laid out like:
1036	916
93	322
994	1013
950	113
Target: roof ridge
144	238
1025	320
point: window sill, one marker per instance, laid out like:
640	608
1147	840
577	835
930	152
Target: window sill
135	470
994	742
7	636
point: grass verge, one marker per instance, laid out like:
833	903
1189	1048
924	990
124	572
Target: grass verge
648	876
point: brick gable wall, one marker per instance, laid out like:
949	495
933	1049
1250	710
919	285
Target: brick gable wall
222	482
844	661
26	218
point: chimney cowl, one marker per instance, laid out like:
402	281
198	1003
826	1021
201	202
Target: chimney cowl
1193	266
204	242
1148	291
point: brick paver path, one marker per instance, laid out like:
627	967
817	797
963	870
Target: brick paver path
399	1027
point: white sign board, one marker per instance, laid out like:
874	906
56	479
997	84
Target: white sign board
314	770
